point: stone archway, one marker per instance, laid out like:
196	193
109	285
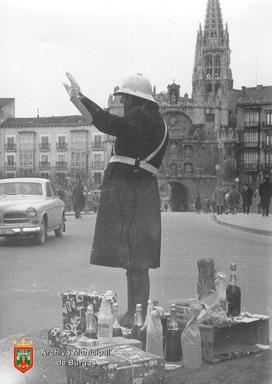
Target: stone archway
179	197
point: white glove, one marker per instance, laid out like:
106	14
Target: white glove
73	90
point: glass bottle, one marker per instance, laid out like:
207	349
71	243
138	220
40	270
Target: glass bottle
116	331
233	294
105	320
173	342
154	334
137	331
90	323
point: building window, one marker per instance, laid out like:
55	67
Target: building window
44	144
208	88
268	118
79	139
250	159
10	174
97	142
61	158
251	118
217	67
26	159
268	159
251	137
27	140
10	143
78	159
10	160
61	144
209	117
44	158
267	142
98	162
209	64
97	176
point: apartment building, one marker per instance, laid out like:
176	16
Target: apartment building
53	147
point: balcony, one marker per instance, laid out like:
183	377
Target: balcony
10	147
61	146
98	165
266	168
10	166
98	146
44	165
251	144
45	147
250	167
251	124
61	166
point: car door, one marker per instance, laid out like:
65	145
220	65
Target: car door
51	206
58	206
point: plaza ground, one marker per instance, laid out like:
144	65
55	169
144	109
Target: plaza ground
33	278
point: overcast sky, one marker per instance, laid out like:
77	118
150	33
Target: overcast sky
102	42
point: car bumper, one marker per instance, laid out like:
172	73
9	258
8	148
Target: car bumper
13	231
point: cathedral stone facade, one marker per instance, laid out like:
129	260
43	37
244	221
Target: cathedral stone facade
209	140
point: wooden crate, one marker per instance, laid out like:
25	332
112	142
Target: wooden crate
231	342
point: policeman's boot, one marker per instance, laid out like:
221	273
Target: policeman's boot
126	320
141	288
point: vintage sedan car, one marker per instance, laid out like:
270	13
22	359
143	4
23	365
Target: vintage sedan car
30	207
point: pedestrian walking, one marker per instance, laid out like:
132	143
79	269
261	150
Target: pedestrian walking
78	198
247	194
128	226
207	205
197	203
265	191
234	200
218	199
257	201
227	202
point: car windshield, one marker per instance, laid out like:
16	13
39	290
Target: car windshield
21	188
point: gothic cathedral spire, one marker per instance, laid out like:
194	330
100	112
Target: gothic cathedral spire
212	78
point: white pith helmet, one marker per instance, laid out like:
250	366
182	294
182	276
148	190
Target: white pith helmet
137	85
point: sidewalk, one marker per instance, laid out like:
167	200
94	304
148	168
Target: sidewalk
250	223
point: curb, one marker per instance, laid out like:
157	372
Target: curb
244	229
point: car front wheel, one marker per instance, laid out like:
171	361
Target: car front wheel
42	235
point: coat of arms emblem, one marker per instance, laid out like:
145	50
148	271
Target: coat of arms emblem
23	355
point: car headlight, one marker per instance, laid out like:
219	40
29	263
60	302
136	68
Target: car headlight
31	212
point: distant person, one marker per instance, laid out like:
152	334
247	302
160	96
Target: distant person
234	200
78	199
227	202
265	191
166	207
247	194
197	203
207	205
257	201
218	199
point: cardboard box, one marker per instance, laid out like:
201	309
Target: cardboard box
125	365
237	340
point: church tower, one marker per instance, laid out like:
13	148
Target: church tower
212	78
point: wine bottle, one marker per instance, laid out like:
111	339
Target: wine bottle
233	294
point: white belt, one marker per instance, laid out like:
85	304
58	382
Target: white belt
131	161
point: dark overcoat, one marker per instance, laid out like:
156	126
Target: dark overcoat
265	192
128	226
78	197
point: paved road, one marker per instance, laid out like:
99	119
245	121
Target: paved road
33	277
